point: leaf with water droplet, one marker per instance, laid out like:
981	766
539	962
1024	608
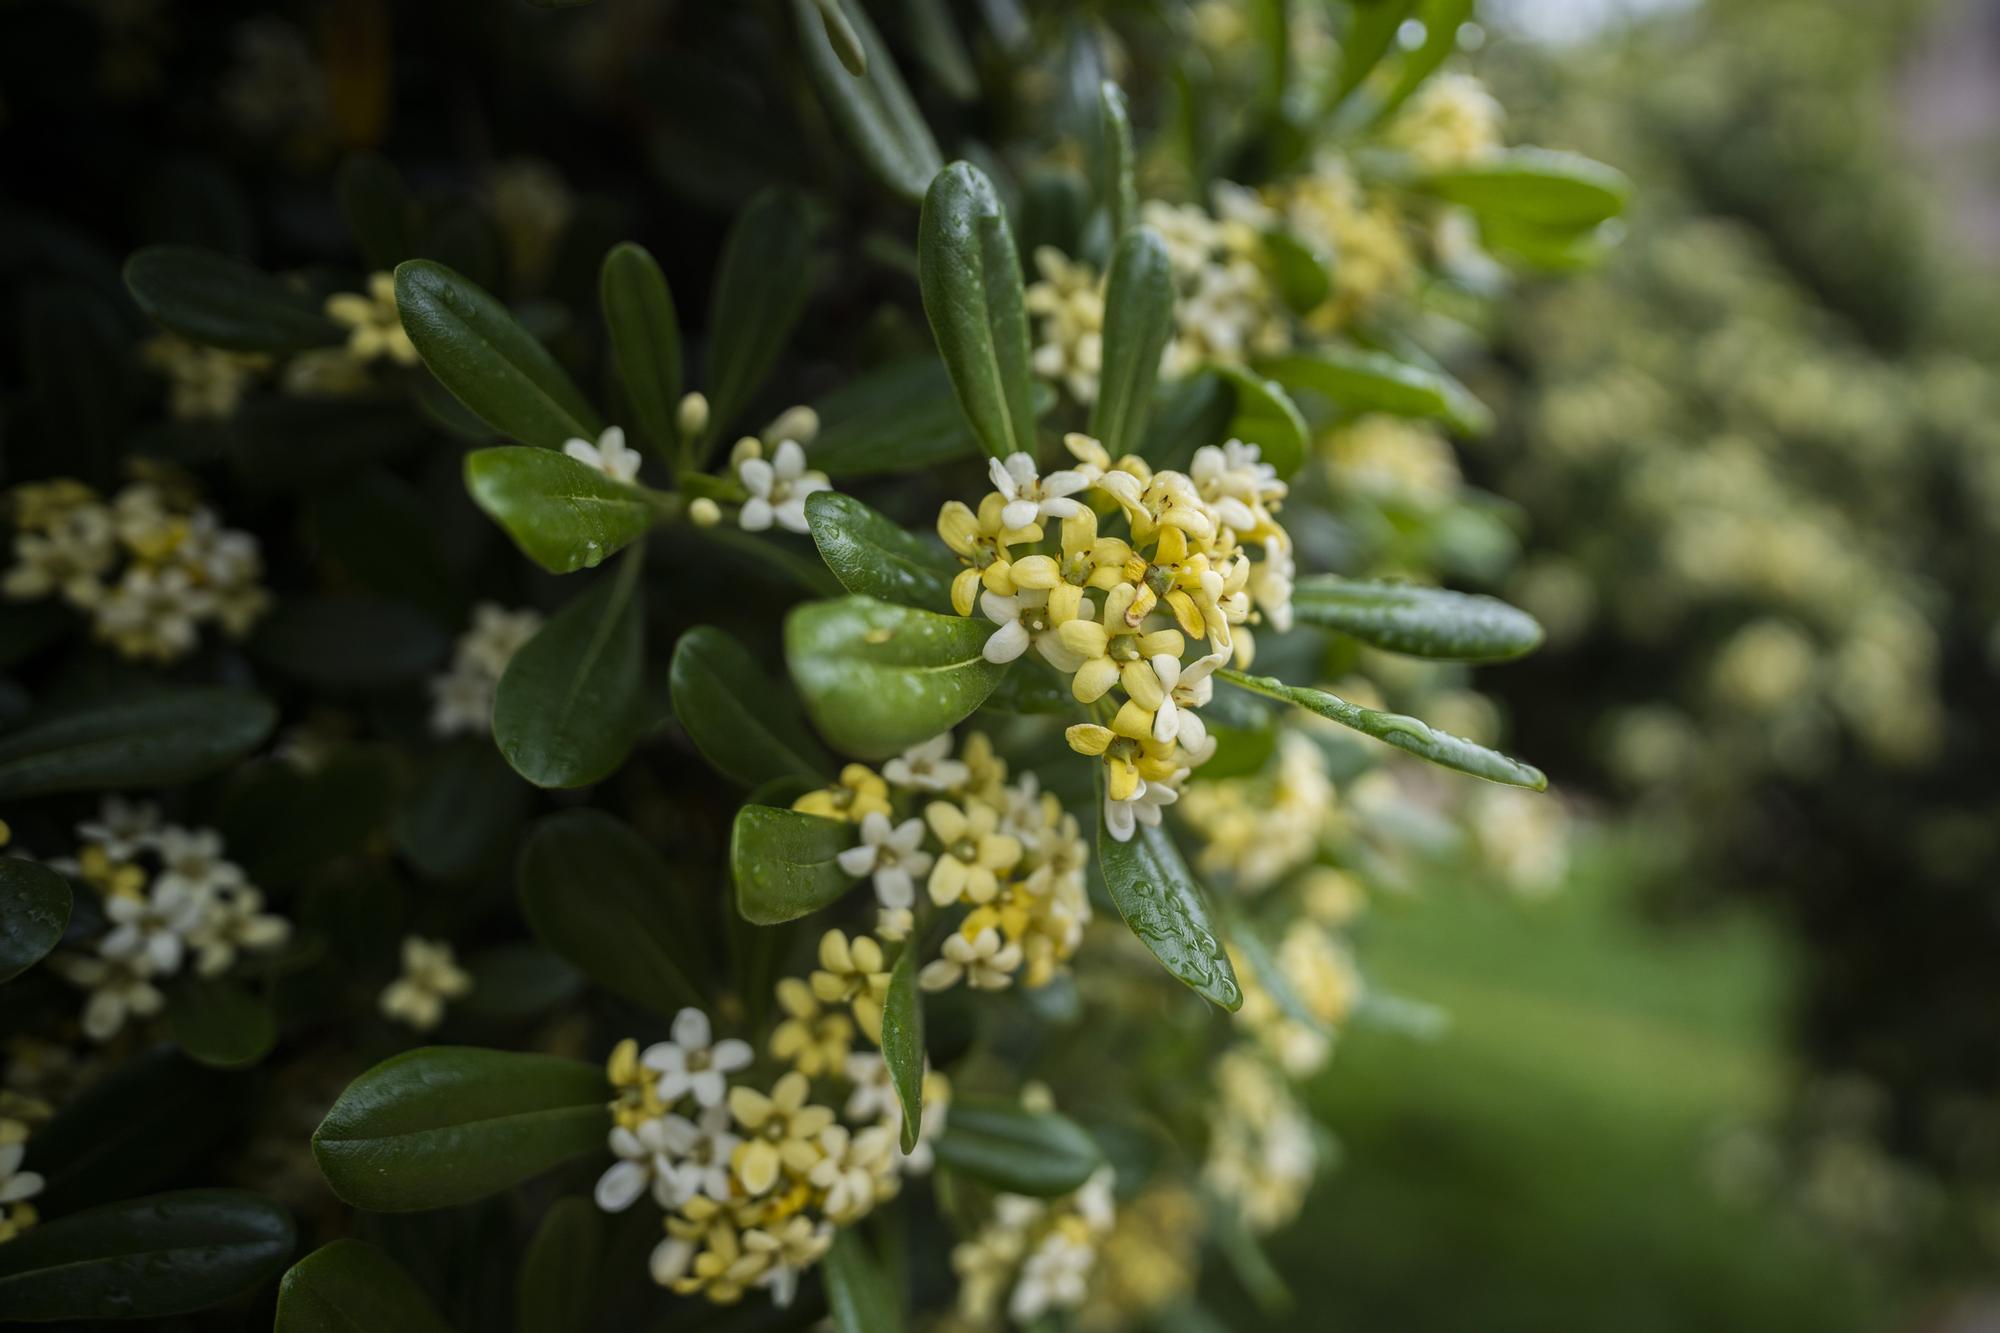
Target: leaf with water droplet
564	515
1423	622
783	863
872	556
1166	908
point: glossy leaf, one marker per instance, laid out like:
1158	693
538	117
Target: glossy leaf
877	679
645	338
568	707
971	281
144	1258
901	418
1037	1153
558	1281
34	912
859	1294
488	361
1121	192
151	739
1167	909
747	728
216	301
1537	186
1405	733
1138	320
444	1125
877	558
873	109
1423	622
598	894
349	1286
1358	380
903	1042
564	515
784	863
1264	415
1371	30
221	1023
380	211
761	285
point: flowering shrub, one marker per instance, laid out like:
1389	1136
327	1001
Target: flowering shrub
798	897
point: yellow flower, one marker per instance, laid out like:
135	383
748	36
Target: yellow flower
981	541
975	854
779	1132
859	792
1116	651
636	1099
40	505
1128	748
1087	561
374	327
988	770
853	972
814	1040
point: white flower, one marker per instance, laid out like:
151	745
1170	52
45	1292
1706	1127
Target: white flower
690	1064
609	455
778	489
1054	1276
1030	497
1122	818
461	701
431	976
119	988
982	961
873	1100
1023	620
152	927
16	1185
894	924
637	1150
192	859
234	919
122	828
698	1154
892	854
1271	584
928	767
670	1260
495	636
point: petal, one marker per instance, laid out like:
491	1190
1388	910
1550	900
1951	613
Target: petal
1084	637
1093	678
1006	643
1036	571
730	1054
1020	513
859	859
756	476
1088	738
691	1031
619	1186
946	820
756	516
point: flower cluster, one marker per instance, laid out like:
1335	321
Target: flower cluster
1117	614
1034	1256
17	1187
754	1177
1263	1150
1255	830
431	978
170	900
1006	852
150	565
772	472
462	698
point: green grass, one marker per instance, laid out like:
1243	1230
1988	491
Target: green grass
1541	1164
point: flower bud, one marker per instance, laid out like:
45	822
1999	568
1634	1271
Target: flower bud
692	415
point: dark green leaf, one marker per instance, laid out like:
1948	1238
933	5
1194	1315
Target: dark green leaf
351	1286
145	1258
97	1150
1121	192
488	361
564	515
747	728
1029	687
1371	28
645	338
1423	622
1138	320
903	1042
1441	19
151	739
929	29
1266	417
380	211
1166	908
596	893
444	1125
1537	186
1405	733
350	643
859	1293
1038	1153
220	1023
877	678
558	1282
1357	380
902	418
1187	414
873	109
520	980
872	556
1300	274
783	863
568	707
971	280
840	34
761	287
460	810
221	302
34	912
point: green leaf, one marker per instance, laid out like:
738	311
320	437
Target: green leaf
1038	1153
460	810
1027	687
380	211
877	679
840	34
152	739
1121	192
783	863
34	912
596	893
1166	908
558	1282
568	707
971	281
1536	186
928	27
1300	273
563	514
761	286
444	1125
350	643
1371	29
645	338
220	1023
145	1258
1359	380
859	1294
220	302
96	1150
488	361
873	108
1441	19
877	558
902	418
1423	622
1265	416
903	1042
1138	320
350	1286
1405	733
518	980
747	728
